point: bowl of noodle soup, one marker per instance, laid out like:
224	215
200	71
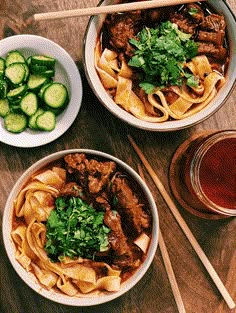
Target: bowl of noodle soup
64	227
126	80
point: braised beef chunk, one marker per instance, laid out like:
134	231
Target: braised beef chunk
92	173
117	238
99	174
130	207
126	255
72	189
121	28
215	38
103	201
75	161
212	29
214	23
217	53
184	23
188	19
194	11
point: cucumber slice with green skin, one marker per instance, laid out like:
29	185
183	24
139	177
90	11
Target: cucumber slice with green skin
35	82
33	118
27	72
42	71
29	103
47	61
55	95
15	122
16	93
48	73
46	121
4	107
38	69
2	67
3	89
41	91
14	56
15	73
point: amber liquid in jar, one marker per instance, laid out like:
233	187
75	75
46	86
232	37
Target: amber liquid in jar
204	180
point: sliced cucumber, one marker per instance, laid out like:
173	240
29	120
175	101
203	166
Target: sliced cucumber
28	95
2	67
3	89
15	73
35	82
45	60
15	122
46	121
55	95
29	103
4	107
33	118
15	108
38	69
14	56
49	73
16	93
27	72
41	91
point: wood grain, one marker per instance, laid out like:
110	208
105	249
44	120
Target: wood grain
96	128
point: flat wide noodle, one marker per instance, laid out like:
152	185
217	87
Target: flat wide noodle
210	82
132	103
142	242
202	66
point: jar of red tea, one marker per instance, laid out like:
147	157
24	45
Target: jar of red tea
203	174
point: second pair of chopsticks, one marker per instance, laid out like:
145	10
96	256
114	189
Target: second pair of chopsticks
123	7
202	256
167	263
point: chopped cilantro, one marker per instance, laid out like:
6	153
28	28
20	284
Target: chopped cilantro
192	81
75	229
193	11
161	53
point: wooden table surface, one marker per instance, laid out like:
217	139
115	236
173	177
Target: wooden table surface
96	128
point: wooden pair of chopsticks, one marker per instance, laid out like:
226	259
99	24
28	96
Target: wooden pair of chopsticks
167	263
202	256
123	7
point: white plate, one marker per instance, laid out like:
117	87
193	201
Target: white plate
66	73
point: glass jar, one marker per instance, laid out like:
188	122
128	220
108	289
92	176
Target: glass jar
203	174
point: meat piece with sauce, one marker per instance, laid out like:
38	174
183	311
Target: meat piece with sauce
188	19
121	28
130	207
210	50
125	254
214	23
91	173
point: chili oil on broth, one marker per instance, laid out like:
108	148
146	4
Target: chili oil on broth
53	276
155	107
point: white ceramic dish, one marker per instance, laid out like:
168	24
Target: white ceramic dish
30	279
66	73
90	40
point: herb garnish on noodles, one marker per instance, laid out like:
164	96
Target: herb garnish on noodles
75	229
161	54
